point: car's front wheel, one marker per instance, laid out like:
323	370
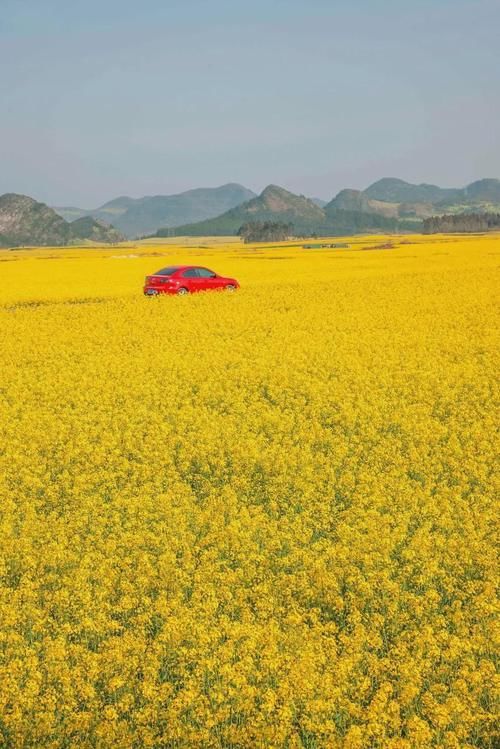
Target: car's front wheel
230	287
182	291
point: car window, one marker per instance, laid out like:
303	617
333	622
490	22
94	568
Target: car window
190	273
205	273
166	271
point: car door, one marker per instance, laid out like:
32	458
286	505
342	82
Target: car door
208	279
190	279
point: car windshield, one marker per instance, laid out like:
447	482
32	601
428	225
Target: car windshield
167	271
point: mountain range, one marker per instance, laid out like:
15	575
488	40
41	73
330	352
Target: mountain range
136	217
274	203
389	204
305	215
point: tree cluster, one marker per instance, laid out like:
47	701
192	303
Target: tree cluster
264	231
463	222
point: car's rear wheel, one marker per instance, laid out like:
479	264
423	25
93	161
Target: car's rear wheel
182	291
230	287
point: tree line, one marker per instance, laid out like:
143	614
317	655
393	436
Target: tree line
463	222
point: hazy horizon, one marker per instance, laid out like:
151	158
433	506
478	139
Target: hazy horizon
117	98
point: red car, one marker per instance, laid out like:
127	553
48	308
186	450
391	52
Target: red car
185	279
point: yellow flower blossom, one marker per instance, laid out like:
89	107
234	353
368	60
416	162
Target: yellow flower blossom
264	519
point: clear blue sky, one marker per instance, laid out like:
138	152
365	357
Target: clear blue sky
100	98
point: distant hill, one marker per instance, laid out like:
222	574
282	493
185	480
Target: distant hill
349	200
391	190
351	211
483	191
94	230
357	200
273	204
26	222
137	217
341	222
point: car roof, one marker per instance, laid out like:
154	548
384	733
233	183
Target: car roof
184	267
177	268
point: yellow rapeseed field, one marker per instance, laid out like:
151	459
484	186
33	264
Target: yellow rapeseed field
263	519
